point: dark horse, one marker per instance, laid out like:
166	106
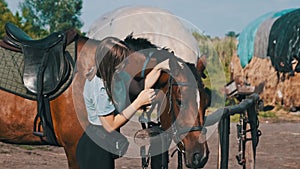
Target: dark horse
17	113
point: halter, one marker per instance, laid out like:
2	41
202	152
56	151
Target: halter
178	130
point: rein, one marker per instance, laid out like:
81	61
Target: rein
146	63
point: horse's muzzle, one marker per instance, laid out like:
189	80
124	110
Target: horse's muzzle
198	160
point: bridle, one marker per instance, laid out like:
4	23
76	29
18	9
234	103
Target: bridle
177	130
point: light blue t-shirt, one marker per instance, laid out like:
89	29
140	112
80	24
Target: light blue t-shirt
120	87
96	100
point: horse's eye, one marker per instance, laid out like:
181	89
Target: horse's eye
179	103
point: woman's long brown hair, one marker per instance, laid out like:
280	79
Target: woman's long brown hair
110	53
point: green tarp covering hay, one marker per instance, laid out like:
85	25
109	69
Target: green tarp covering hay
246	39
284	41
262	38
256	34
272	68
262	35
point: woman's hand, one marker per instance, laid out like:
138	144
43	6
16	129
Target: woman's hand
153	76
164	65
145	97
111	122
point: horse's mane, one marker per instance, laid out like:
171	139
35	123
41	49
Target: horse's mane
196	74
137	44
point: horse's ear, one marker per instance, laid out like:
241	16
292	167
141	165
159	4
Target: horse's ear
201	65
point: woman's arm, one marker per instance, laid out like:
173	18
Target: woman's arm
111	122
152	77
154	74
136	87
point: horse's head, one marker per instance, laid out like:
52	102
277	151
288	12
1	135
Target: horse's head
182	99
185	117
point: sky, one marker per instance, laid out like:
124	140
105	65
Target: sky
211	17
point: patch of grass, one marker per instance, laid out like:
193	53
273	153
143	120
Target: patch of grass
235	118
35	147
267	114
45	148
26	147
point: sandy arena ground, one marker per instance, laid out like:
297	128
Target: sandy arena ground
279	148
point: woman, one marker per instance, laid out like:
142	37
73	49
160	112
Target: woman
101	109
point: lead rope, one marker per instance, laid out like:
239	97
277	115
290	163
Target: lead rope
145	160
179	160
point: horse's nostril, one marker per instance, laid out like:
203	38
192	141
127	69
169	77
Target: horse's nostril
199	160
196	159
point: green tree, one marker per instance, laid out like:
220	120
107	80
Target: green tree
231	34
52	15
7	16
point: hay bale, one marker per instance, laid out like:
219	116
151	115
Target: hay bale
274	90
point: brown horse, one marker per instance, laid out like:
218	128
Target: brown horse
181	117
17	113
181	114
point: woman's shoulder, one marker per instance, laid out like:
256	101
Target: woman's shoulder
95	82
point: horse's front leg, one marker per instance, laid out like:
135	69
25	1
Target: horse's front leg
68	124
159	151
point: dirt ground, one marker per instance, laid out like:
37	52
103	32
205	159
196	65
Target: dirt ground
279	148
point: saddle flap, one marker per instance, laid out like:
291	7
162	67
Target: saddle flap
50	63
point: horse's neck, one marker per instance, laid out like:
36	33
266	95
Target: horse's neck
87	45
86	50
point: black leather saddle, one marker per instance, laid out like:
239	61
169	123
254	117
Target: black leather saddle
18	38
45	61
